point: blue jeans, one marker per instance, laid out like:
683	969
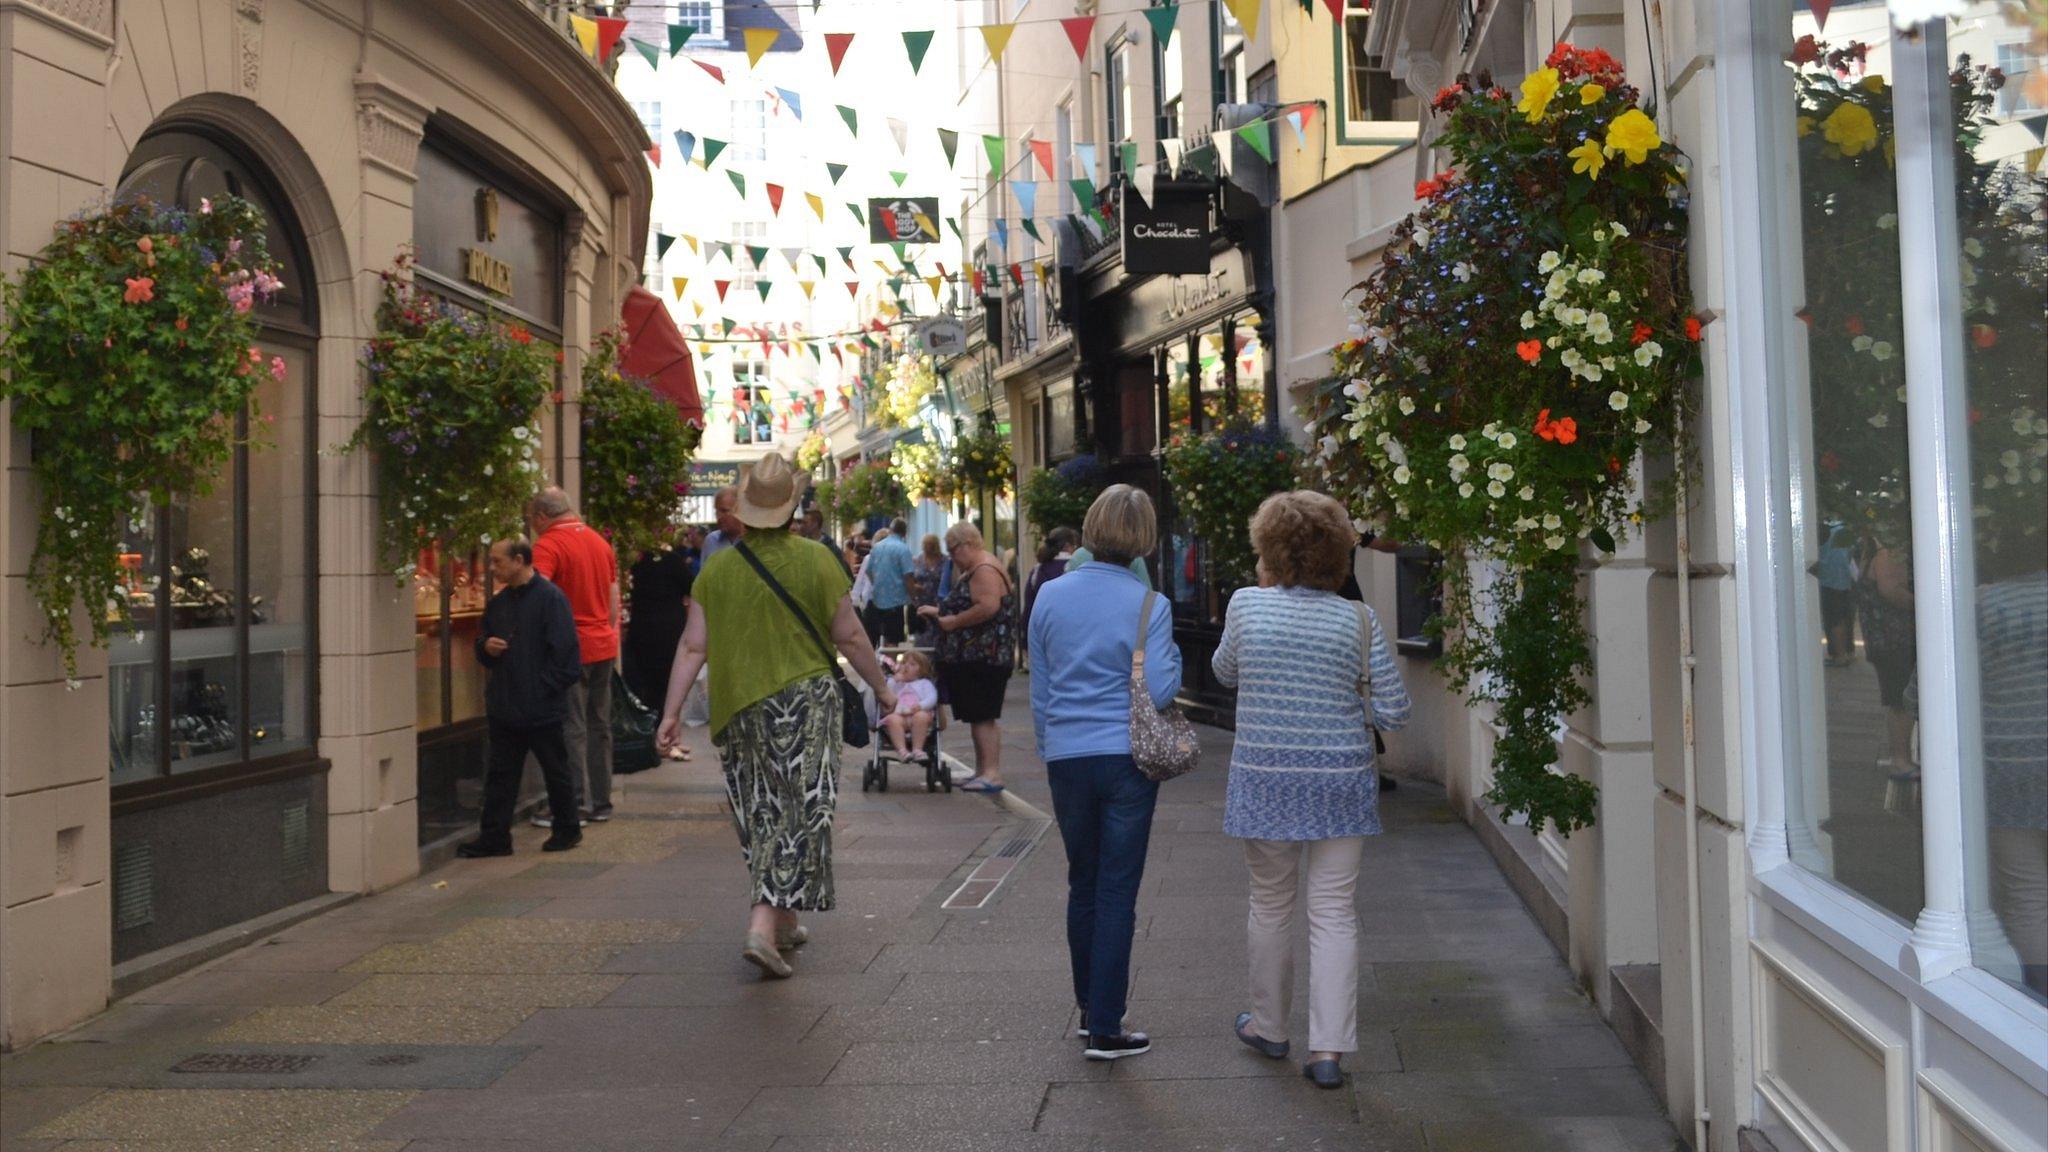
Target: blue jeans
1104	806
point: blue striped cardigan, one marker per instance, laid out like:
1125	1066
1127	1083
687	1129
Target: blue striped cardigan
1302	767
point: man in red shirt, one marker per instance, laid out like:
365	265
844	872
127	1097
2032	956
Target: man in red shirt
581	563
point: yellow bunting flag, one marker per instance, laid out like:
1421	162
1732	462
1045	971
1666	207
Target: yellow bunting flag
681	283
925	222
760	40
1045	271
997	37
692	242
699	306
1247	13
933	283
809	286
586	33
817	204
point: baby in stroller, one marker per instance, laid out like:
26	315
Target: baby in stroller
917	703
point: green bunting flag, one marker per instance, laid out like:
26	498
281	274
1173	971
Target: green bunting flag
899	177
1084	193
954	224
846	253
765	287
898	247
994	146
851	117
820	258
917	44
950	141
651	51
1032	228
727	324
1258	134
857	213
1202	160
662	243
757	255
835	171
679	35
1162	20
711	150
1130	157
739	182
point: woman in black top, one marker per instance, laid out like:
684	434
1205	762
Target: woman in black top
658	605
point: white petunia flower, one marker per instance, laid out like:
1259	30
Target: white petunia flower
1880	420
1465	489
1496	489
1591	276
1618	401
1642	426
1528	319
1528	492
1407	406
1507	440
1500	470
1549	262
1862	343
1888	221
1553	542
1620	233
1459	465
1457	442
1461	272
2010	458
1881	350
1402	475
1421	236
1551	522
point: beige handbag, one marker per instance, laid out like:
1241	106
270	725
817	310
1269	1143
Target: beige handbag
1162	741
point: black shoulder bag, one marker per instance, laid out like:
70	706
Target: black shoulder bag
853	711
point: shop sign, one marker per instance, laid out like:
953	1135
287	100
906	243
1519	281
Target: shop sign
903	219
486	271
1159	304
481	235
1169	236
943	336
707	479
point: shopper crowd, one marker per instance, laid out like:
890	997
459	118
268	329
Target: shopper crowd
744	629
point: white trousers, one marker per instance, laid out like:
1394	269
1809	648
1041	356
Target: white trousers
1276	875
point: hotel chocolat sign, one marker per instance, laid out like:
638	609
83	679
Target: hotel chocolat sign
1169	236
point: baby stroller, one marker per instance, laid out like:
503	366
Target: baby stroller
875	777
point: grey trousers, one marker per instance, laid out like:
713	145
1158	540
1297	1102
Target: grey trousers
588	732
1277	874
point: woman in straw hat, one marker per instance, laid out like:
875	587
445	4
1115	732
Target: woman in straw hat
774	702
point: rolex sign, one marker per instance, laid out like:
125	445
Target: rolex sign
1169	236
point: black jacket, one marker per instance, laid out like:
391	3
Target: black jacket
530	683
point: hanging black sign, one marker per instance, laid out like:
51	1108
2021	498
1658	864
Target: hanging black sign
903	219
1169	236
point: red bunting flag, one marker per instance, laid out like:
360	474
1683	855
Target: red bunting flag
1017	274
775	198
1336	8
721	285
853	287
654	154
977	282
609	29
717	73
1079	29
1820	9
836	44
1043	150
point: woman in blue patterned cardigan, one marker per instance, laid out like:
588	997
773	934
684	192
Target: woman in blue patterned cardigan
1302	785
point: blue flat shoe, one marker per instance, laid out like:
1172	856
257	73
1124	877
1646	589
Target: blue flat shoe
982	786
1275	1049
1324	1074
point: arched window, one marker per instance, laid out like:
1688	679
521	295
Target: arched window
219	674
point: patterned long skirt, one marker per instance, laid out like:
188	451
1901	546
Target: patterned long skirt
781	759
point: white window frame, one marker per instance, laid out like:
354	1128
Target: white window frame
1928	963
714	29
1350	131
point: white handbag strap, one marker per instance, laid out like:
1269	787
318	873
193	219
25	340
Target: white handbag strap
1144	627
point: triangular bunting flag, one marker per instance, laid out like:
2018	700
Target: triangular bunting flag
857	213
724	322
1162	20
774	198
586	33
899	177
1247	13
765	287
817	204
1175	149
791	255
691	241
681	284
757	255
1142	179
852	119
1820	8
679	35
1044	271
809	286
609	29
1026	192
662	243
716	73
1031	227
846	253
1017	274
934	283
792	100
1084	154
820	258
654	154
698	306
1043	150
950	141
722	285
852	287
739	182
759	41
1128	153
1226	159
995	148
1295	121
997	37
1001	229
1258	134
1084	193
1079	29
917	43
954	224
711	150
901	131
1336	8
651	51
836	44
686	143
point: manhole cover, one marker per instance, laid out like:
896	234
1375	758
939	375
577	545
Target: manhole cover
245	1063
392	1060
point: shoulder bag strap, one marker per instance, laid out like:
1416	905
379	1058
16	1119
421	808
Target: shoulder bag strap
1365	659
760	569
1144	630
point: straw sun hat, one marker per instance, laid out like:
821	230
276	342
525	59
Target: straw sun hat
768	494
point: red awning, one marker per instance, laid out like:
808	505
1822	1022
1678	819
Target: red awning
656	351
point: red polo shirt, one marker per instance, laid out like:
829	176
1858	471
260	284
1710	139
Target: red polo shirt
581	563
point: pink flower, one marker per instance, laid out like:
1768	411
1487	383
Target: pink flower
141	290
277	369
145	245
205	206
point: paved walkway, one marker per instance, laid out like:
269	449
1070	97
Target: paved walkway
597	1001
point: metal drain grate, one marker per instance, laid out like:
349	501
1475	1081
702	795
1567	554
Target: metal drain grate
392	1060
298	842
1021	844
245	1063
134	886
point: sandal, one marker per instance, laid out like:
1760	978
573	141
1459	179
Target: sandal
979	785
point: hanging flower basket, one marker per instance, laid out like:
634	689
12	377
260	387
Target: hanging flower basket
452	421
811	452
922	471
1060	497
1219	479
1527	335
910	380
981	460
129	357
868	490
636	455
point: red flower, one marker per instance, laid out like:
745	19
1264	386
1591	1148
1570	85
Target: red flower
1692	327
141	290
1853	325
1448	96
519	334
1566	430
1983	335
1806	51
1614	465
1530	350
1429	189
1829	462
1642	332
182	324
1543	427
1976	417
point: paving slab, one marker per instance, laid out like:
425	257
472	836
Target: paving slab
374	1024
1225	1057
966	1062
1579	1134
483	957
246	987
1239	1139
1125	1105
1477	1094
496	990
889	1110
574	1118
257	1119
238	1066
704	990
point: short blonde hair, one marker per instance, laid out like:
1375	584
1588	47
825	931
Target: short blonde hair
1121	525
963	533
931	546
922	662
1304	539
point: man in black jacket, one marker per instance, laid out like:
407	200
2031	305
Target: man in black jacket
528	642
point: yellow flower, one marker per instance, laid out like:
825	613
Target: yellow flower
1804	126
1873	83
1537	90
1851	128
1634	135
1591	93
1588	158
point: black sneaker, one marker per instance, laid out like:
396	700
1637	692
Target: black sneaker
1081	1033
478	850
599	817
1118	1047
560	843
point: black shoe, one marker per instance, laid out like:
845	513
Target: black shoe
1118	1047
1272	1049
477	850
597	817
1324	1074
560	843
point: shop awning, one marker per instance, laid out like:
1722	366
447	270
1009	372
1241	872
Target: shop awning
656	351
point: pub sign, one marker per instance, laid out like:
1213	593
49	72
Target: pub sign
1169	236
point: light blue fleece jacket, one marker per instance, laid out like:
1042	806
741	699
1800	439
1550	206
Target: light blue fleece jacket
1084	626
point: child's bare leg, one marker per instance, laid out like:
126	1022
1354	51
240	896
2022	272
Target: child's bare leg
893	725
920	727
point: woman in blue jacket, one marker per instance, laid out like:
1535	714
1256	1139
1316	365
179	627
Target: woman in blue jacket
1084	627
